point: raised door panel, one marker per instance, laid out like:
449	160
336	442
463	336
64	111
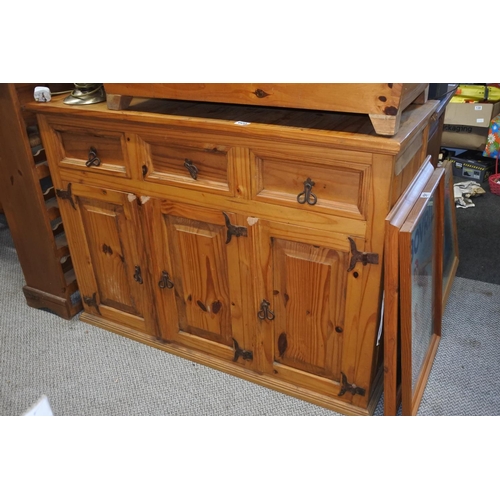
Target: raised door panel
314	299
309	309
109	255
199	292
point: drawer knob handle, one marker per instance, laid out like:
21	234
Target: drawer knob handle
193	171
307	196
165	281
93	158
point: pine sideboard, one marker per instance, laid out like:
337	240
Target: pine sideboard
249	239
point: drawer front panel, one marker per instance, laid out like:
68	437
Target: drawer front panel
93	150
337	187
200	164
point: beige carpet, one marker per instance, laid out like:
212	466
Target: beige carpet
84	370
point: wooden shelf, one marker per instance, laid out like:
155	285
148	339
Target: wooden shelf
31	208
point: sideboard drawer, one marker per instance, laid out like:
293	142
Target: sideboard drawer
311	183
198	162
92	150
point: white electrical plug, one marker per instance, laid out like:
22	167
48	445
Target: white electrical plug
42	94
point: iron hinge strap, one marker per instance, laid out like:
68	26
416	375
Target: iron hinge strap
238	351
66	195
234	230
92	301
352	388
363	257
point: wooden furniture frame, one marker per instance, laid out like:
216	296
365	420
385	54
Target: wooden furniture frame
246	238
31	209
421	270
383	102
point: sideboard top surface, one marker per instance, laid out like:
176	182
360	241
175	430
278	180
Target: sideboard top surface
342	130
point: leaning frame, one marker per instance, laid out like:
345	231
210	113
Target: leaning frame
450	251
421	287
393	223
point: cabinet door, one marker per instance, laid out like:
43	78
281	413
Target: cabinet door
309	332
108	252
202	276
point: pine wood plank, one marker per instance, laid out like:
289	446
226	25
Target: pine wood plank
384	102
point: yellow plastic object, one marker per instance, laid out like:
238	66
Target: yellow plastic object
457	98
477	93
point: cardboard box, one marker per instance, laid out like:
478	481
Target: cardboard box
472	165
464	137
476	114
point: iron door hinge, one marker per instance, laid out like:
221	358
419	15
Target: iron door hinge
234	230
363	257
238	351
92	301
66	195
352	388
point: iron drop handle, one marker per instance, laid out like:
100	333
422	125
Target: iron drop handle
165	281
138	275
93	160
307	196
192	169
265	311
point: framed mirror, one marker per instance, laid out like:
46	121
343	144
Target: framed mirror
421	248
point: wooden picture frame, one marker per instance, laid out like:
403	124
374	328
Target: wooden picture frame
393	223
421	249
450	251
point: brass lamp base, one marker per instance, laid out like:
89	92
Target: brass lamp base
86	93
